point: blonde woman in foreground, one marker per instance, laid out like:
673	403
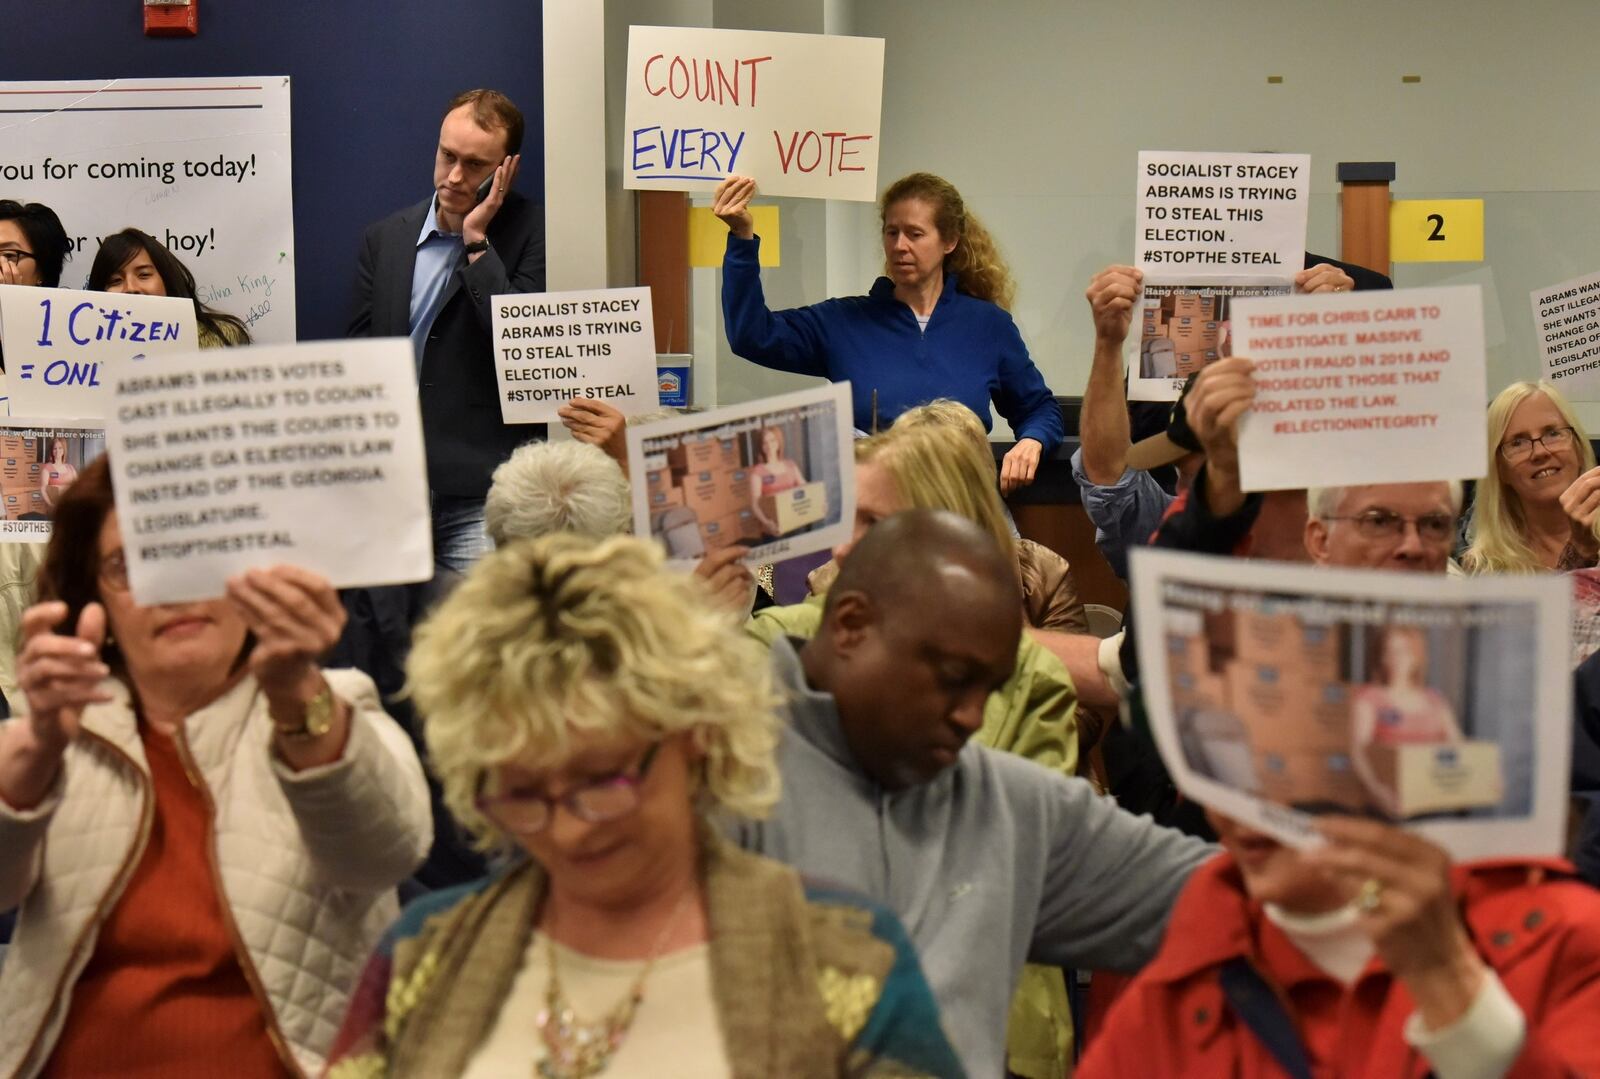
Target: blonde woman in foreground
587	711
1536	509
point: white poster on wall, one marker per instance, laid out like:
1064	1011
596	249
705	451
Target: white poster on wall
200	164
799	112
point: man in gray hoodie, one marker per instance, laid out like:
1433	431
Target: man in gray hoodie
991	861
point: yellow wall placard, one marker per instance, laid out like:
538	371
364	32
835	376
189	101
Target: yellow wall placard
708	237
1436	230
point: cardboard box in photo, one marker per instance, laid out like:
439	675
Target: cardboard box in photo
708	459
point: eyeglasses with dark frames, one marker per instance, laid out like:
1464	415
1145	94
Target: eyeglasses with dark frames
1381	524
525	813
1521	448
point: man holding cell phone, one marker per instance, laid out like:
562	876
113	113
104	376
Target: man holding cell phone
429	272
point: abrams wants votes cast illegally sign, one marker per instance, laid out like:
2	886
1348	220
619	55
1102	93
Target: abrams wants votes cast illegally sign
552	347
62	347
308	454
798	112
1567	319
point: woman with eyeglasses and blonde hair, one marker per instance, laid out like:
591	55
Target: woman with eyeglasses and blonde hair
1538	508
587	714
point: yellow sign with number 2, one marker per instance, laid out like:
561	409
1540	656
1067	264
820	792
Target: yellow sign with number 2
1436	230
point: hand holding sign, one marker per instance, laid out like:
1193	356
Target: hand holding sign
295	617
598	424
1409	911
731	203
1581	502
1112	294
1323	277
60	674
1221	395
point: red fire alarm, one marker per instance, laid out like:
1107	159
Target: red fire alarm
171	18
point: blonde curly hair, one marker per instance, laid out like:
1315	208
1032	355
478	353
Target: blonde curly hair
562	634
976	262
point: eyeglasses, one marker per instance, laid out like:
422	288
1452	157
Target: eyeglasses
14	255
114	571
601	800
1388	525
1521	447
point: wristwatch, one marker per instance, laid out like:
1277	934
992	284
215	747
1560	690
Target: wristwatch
318	719
476	246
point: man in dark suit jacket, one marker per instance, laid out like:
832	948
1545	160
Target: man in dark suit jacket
428	272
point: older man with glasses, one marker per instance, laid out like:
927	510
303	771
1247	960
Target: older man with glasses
1403	526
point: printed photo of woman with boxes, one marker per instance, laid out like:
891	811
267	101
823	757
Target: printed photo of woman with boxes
1402	712
37	464
760	480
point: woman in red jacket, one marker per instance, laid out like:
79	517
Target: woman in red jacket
1371	956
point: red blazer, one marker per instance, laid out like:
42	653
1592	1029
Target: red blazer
1538	928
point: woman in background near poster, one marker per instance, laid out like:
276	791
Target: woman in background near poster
938	325
773	475
1400	710
55	474
131	262
1538	508
203	828
1371	955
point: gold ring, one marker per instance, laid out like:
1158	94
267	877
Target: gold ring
1370	896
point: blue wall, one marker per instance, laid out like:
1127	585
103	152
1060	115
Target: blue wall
369	83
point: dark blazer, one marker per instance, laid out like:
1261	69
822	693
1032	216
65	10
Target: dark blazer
461	427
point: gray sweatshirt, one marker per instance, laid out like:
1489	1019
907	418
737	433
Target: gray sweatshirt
994	863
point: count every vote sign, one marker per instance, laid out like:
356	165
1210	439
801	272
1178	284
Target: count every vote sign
798	112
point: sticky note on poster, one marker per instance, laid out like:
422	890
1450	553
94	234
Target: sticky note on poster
1363	387
552	347
1566	318
39	460
1209	214
1436	230
776	476
62	346
305	454
708	236
798	112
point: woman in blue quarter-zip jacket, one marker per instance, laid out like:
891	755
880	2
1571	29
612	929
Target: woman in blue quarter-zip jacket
937	326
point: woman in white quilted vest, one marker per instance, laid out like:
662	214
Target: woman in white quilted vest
203	829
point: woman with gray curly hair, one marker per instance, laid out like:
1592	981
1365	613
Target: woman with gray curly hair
588	712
